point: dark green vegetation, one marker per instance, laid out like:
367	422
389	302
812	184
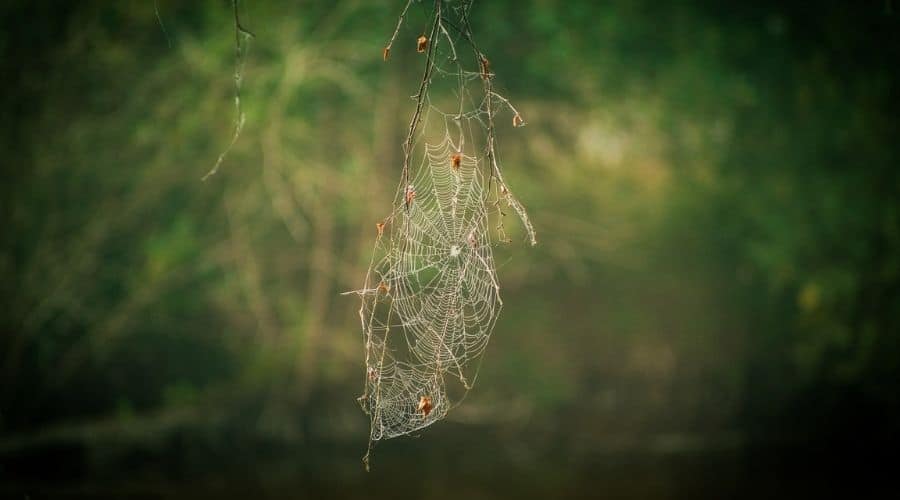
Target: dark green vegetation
716	190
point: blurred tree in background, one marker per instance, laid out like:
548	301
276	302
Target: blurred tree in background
715	189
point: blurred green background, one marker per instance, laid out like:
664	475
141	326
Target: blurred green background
712	310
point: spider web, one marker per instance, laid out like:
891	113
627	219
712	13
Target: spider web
431	296
437	280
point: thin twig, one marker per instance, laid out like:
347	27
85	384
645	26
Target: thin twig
420	97
507	194
161	25
387	48
509	104
239	33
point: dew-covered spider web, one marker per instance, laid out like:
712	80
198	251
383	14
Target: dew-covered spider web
431	296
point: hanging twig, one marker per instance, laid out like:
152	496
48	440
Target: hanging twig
161	25
240	33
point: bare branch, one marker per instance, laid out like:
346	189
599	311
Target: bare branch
241	34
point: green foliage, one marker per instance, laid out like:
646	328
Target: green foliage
714	190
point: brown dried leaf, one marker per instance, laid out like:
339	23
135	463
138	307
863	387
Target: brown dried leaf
424	406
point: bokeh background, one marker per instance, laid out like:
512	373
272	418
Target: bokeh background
712	310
